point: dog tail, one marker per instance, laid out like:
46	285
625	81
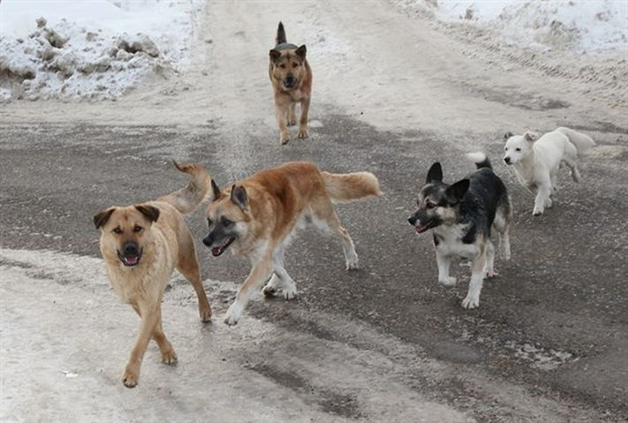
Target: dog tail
189	197
480	160
347	187
281	35
581	141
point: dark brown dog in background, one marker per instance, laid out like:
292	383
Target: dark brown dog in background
291	77
142	244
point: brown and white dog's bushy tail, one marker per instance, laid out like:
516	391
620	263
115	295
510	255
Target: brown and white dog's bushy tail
581	141
347	187
281	35
189	197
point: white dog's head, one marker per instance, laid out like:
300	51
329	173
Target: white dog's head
518	147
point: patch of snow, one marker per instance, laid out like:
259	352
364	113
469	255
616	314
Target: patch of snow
93	49
578	25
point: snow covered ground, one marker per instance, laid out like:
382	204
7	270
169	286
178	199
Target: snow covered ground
93	49
577	25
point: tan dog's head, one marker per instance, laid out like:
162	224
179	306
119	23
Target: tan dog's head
125	231
228	217
288	67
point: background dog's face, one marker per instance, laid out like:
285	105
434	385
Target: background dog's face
227	218
518	147
437	201
126	230
288	67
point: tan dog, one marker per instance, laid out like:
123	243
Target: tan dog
141	246
258	215
291	77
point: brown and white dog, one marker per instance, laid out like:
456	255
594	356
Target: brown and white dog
257	216
141	245
291	77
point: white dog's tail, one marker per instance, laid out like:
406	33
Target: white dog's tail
189	197
480	159
581	141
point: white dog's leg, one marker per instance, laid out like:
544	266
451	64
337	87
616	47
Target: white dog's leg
573	169
443	263
475	286
542	197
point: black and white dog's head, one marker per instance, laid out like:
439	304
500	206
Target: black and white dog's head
438	202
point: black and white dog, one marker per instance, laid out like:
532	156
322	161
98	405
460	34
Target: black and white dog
461	216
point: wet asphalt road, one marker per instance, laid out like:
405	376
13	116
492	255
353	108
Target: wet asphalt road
554	321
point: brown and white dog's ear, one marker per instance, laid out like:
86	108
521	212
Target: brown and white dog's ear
507	135
301	51
274	55
215	191
239	197
530	136
149	212
102	217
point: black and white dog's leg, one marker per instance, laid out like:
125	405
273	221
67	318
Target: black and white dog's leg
475	286
443	263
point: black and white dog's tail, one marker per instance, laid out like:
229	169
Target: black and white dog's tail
281	35
480	160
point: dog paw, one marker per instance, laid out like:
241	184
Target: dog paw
450	281
352	264
289	292
233	315
470	302
205	312
269	291
537	211
292	122
130	377
169	357
303	133
284	138
491	274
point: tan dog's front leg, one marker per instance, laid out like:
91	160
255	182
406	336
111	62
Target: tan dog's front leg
305	109
150	317
259	274
281	115
168	356
292	114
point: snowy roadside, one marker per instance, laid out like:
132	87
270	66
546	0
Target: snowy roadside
95	50
585	41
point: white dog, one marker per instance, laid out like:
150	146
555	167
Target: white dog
536	160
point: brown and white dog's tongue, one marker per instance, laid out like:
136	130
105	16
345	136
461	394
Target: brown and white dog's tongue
131	260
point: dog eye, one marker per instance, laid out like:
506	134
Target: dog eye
430	205
282	66
137	229
117	231
225	221
505	148
295	64
517	149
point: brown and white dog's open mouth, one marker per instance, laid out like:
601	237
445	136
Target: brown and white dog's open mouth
216	251
130	260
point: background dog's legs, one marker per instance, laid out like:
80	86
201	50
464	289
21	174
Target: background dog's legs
168	356
490	260
188	266
475	286
281	115
260	273
443	263
280	279
150	316
292	114
542	196
305	109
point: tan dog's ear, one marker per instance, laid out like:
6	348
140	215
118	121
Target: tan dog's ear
216	194
530	136
301	52
507	135
239	197
102	217
151	213
274	55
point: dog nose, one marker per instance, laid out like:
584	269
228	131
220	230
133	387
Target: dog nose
412	220
507	160
289	80
130	248
208	241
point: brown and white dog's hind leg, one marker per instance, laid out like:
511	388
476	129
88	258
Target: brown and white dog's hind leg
260	273
280	280
327	215
475	285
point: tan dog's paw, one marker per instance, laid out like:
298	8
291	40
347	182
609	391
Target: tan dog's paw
169	357
130	377
205	312
292	121
303	133
284	138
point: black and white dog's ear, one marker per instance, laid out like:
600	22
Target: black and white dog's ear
456	192
507	135
435	174
530	136
239	197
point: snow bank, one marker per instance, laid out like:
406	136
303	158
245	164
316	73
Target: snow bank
93	49
579	25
